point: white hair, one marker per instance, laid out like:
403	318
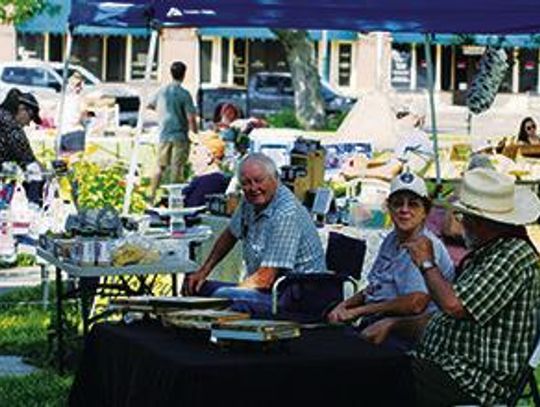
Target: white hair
263	160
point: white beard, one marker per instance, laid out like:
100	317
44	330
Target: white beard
471	241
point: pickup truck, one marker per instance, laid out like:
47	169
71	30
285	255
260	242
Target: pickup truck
267	93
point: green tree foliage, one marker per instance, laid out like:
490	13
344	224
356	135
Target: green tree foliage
18	11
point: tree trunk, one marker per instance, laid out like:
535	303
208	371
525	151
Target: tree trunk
308	101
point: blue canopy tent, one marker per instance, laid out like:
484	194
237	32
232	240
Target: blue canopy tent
420	16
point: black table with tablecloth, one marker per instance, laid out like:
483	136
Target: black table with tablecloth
145	364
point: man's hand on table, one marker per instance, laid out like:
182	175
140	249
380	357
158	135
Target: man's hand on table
342	314
193	282
377	332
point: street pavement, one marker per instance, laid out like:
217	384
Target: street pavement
11	278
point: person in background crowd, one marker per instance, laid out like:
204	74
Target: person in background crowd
209	179
527	132
177	117
472	351
395	283
278	236
17	111
73	137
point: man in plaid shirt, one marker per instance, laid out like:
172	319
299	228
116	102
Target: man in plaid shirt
473	350
277	233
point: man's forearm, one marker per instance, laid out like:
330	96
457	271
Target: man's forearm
193	124
356	300
221	248
410	327
410	304
443	293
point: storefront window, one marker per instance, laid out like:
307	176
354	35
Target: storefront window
206	61
56	47
468	63
400	74
30	46
88	52
139	55
421	65
224	60
344	64
116	58
240	68
446	67
267	56
528	70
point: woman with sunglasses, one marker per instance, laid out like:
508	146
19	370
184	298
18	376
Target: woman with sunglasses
395	284
527	132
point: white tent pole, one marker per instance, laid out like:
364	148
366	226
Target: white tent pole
429	60
138	132
60	112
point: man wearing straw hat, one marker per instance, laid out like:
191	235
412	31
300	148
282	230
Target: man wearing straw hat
473	350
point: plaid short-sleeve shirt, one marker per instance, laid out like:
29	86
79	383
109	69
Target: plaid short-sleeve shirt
282	235
500	289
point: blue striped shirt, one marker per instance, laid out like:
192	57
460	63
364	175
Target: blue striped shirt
282	235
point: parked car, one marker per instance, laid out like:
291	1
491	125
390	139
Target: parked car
267	93
44	79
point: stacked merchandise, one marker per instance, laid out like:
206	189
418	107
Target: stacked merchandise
163	304
200	319
252	330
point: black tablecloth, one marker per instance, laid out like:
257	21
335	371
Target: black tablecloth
148	365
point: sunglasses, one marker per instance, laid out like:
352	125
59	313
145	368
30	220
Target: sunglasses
531	127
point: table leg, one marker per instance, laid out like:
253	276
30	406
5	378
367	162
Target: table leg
174	284
59	321
45	285
85	309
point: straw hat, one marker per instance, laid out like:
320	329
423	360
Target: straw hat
492	195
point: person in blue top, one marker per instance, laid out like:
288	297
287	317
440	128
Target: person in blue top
277	234
395	284
205	159
177	116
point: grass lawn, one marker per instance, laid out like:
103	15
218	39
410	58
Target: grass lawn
24	332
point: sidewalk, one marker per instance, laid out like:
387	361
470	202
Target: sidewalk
19	277
14	366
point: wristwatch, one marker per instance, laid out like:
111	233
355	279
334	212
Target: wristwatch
426	265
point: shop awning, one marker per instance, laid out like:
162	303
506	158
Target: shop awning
517	40
267	34
55	19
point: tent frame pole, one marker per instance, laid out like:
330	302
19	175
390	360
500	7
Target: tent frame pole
140	119
430	82
65	72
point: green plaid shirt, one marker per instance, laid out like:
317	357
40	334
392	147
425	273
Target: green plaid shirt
500	289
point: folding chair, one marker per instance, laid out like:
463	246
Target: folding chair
527	377
306	297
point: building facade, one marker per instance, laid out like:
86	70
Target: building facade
351	62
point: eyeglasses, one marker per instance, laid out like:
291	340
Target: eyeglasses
531	127
462	217
255	182
398	202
